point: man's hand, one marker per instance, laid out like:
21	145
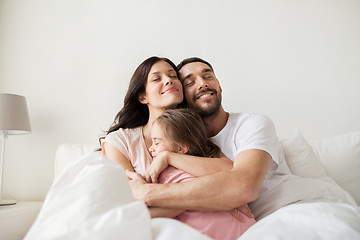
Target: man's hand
159	163
137	185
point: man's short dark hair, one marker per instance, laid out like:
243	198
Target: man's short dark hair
191	60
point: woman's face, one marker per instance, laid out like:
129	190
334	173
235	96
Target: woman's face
160	141
163	88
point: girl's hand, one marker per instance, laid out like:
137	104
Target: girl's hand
159	163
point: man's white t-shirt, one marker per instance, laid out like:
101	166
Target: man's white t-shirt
244	131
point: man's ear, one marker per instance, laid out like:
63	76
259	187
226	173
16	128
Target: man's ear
219	85
182	149
142	99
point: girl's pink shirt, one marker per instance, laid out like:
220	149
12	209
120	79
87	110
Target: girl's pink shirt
219	225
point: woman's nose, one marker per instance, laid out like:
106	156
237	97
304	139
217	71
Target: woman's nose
168	81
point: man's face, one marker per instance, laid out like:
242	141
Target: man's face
202	90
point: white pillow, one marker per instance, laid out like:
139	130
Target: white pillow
340	155
67	153
300	157
299	190
313	183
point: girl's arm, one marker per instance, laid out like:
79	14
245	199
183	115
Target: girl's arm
197	166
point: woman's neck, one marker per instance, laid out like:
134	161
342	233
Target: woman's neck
153	114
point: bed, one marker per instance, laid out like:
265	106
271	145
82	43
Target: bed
90	197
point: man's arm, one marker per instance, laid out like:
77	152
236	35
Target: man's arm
220	191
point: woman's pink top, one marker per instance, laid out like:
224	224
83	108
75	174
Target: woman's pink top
219	225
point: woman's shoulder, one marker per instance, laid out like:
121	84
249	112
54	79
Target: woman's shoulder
128	133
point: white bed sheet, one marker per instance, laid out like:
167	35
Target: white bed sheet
92	199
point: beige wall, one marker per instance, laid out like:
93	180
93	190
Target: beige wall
296	61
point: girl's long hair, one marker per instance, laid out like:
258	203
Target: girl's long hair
185	127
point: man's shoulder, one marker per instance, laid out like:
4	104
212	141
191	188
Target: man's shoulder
241	117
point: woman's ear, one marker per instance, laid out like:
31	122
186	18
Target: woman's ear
142	99
182	149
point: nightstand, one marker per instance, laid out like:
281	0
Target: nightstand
15	220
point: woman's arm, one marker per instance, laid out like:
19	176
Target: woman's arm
197	166
115	155
164	212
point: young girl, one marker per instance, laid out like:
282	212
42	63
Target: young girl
182	131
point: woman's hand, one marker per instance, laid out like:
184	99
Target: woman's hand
159	163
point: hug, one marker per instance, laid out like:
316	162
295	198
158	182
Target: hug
220	173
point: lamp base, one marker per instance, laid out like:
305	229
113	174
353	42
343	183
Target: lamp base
7	202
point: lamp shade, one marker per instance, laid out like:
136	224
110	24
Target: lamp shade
14	117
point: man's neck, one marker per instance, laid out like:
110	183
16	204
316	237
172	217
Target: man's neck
214	124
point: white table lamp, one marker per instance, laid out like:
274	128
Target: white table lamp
14	119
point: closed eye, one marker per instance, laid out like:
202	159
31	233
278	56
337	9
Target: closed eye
208	76
189	83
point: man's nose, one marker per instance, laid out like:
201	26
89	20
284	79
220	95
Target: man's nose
202	83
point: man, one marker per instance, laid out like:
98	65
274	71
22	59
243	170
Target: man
249	139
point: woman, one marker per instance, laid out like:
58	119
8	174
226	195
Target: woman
154	87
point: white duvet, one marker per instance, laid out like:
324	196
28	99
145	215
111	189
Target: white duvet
92	200
316	220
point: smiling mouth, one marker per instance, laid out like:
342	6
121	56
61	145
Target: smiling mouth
205	94
169	90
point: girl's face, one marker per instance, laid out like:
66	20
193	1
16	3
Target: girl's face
163	88
160	141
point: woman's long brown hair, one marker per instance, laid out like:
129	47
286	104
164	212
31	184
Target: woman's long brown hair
133	113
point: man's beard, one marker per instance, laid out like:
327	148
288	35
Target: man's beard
206	112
